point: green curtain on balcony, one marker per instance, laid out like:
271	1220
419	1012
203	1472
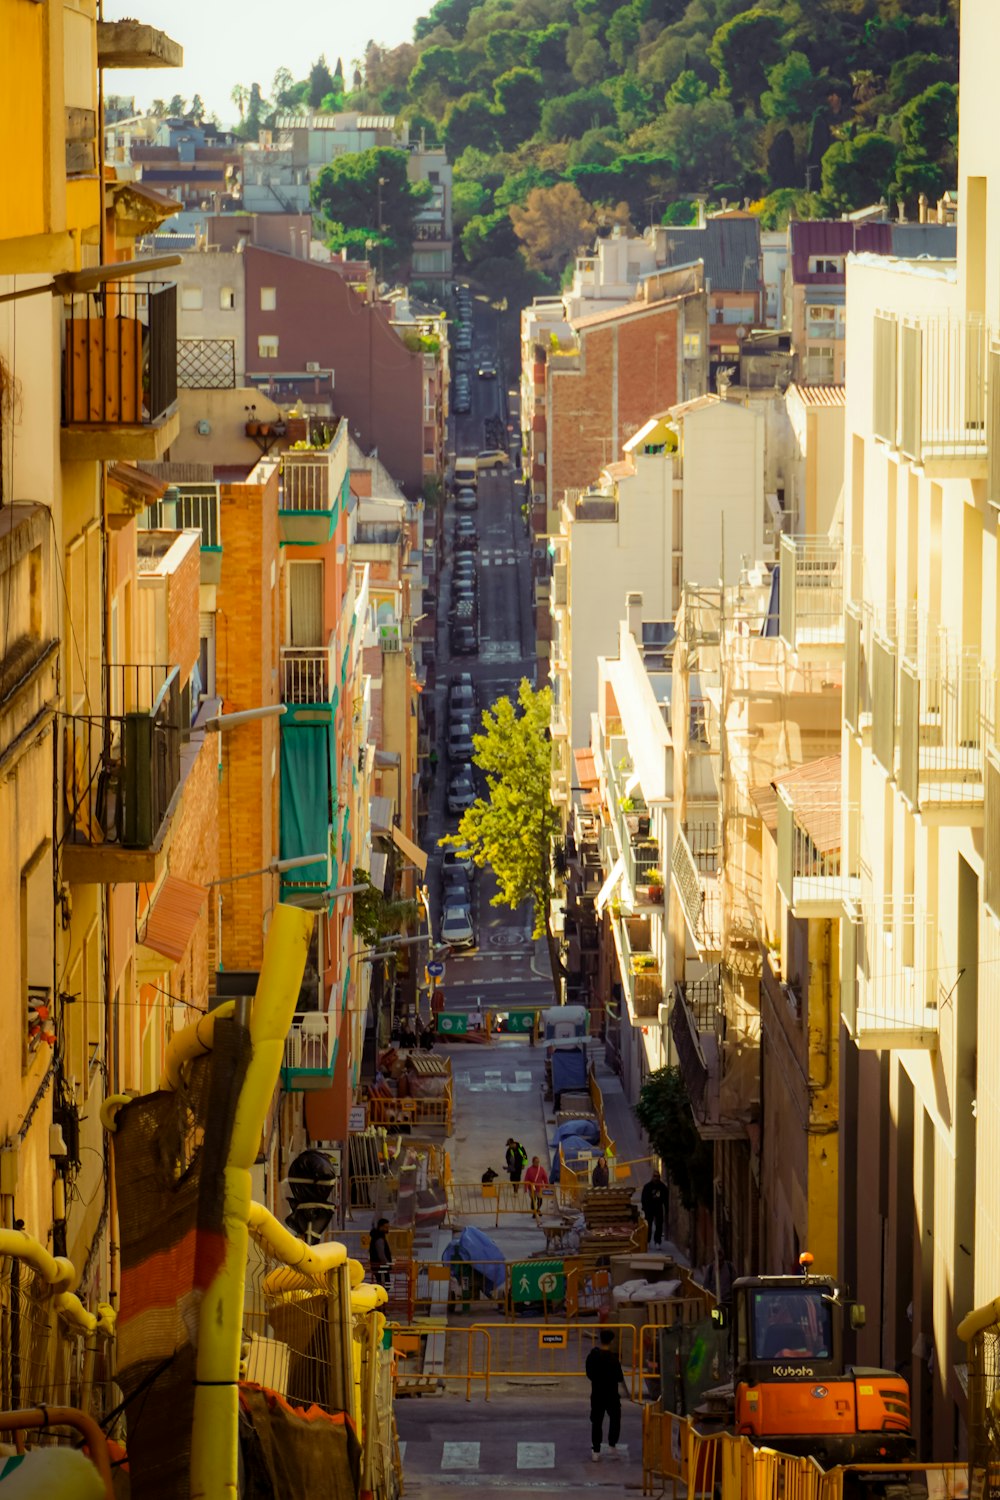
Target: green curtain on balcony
308	798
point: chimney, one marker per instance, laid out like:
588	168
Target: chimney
633	613
725	204
294	239
922	211
900	211
702	221
304	236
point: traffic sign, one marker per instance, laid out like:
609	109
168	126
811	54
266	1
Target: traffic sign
357	1117
537	1281
453	1023
521	1020
435	969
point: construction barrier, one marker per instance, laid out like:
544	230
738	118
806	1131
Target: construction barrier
417	1113
467	1200
452	1357
434	1356
721	1466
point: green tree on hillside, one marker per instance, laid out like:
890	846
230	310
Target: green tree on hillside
742	50
320	82
517	95
794	92
348	195
469	122
859	171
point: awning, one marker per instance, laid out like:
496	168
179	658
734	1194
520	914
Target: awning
406	846
586	769
173	917
604	894
380	863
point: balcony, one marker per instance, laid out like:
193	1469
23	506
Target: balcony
700	894
310	675
946	705
813	843
811	592
131	44
890	982
120	373
123	776
696	1024
314	486
930	393
310	1052
191	507
639	968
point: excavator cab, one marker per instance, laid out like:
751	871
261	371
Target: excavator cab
791	1387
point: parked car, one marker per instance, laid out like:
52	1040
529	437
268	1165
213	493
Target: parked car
457	929
492	458
465	499
460	744
456	884
461	690
461	792
458	857
465	566
462	405
464	640
466	539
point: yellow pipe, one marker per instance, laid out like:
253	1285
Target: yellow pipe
314	1261
109	1110
975	1322
214	1437
60	1276
193	1041
365	1299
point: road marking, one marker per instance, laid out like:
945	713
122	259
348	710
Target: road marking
536	1455
460	1456
520	1075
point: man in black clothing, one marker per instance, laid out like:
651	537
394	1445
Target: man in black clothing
604	1372
654	1200
514	1158
380	1253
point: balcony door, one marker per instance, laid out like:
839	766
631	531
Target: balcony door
305	603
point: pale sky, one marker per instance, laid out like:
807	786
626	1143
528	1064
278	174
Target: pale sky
227	43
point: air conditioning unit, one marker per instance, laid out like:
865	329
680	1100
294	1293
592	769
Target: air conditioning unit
312	367
663	1014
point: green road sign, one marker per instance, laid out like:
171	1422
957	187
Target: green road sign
537	1281
453	1023
520	1020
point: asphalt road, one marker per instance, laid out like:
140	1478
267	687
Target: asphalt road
503	964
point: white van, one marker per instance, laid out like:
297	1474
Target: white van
466	472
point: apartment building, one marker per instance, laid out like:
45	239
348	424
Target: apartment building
919	1044
684	501
816	286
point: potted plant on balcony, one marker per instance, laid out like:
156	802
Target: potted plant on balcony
252	424
652	887
643	963
627	806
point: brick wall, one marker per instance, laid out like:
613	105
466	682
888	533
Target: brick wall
628	371
247	636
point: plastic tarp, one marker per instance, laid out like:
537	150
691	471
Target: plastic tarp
574	1148
587	1130
569	1069
307	794
473	1245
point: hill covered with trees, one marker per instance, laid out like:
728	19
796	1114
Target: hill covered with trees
563	115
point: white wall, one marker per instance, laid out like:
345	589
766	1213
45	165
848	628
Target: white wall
723	458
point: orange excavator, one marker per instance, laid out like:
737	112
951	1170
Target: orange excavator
791	1387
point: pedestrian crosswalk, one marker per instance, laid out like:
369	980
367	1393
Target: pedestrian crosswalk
501	557
468	1456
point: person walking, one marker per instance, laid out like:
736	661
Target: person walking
599	1177
654	1200
515	1158
380	1253
604	1371
536	1178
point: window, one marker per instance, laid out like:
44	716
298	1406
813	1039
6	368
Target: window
822	321
227	299
267	345
826	265
819	363
268	298
191	299
692	345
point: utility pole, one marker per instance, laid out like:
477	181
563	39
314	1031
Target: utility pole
381	184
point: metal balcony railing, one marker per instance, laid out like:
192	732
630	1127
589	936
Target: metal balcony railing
811	593
206	364
639	968
817	845
309	674
942	388
195	507
947	703
310	1051
313	479
123	767
703	999
700	896
891	984
120	361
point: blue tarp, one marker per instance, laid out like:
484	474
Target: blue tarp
474	1245
574	1147
569	1070
588	1129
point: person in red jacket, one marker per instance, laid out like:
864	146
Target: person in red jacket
536	1178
